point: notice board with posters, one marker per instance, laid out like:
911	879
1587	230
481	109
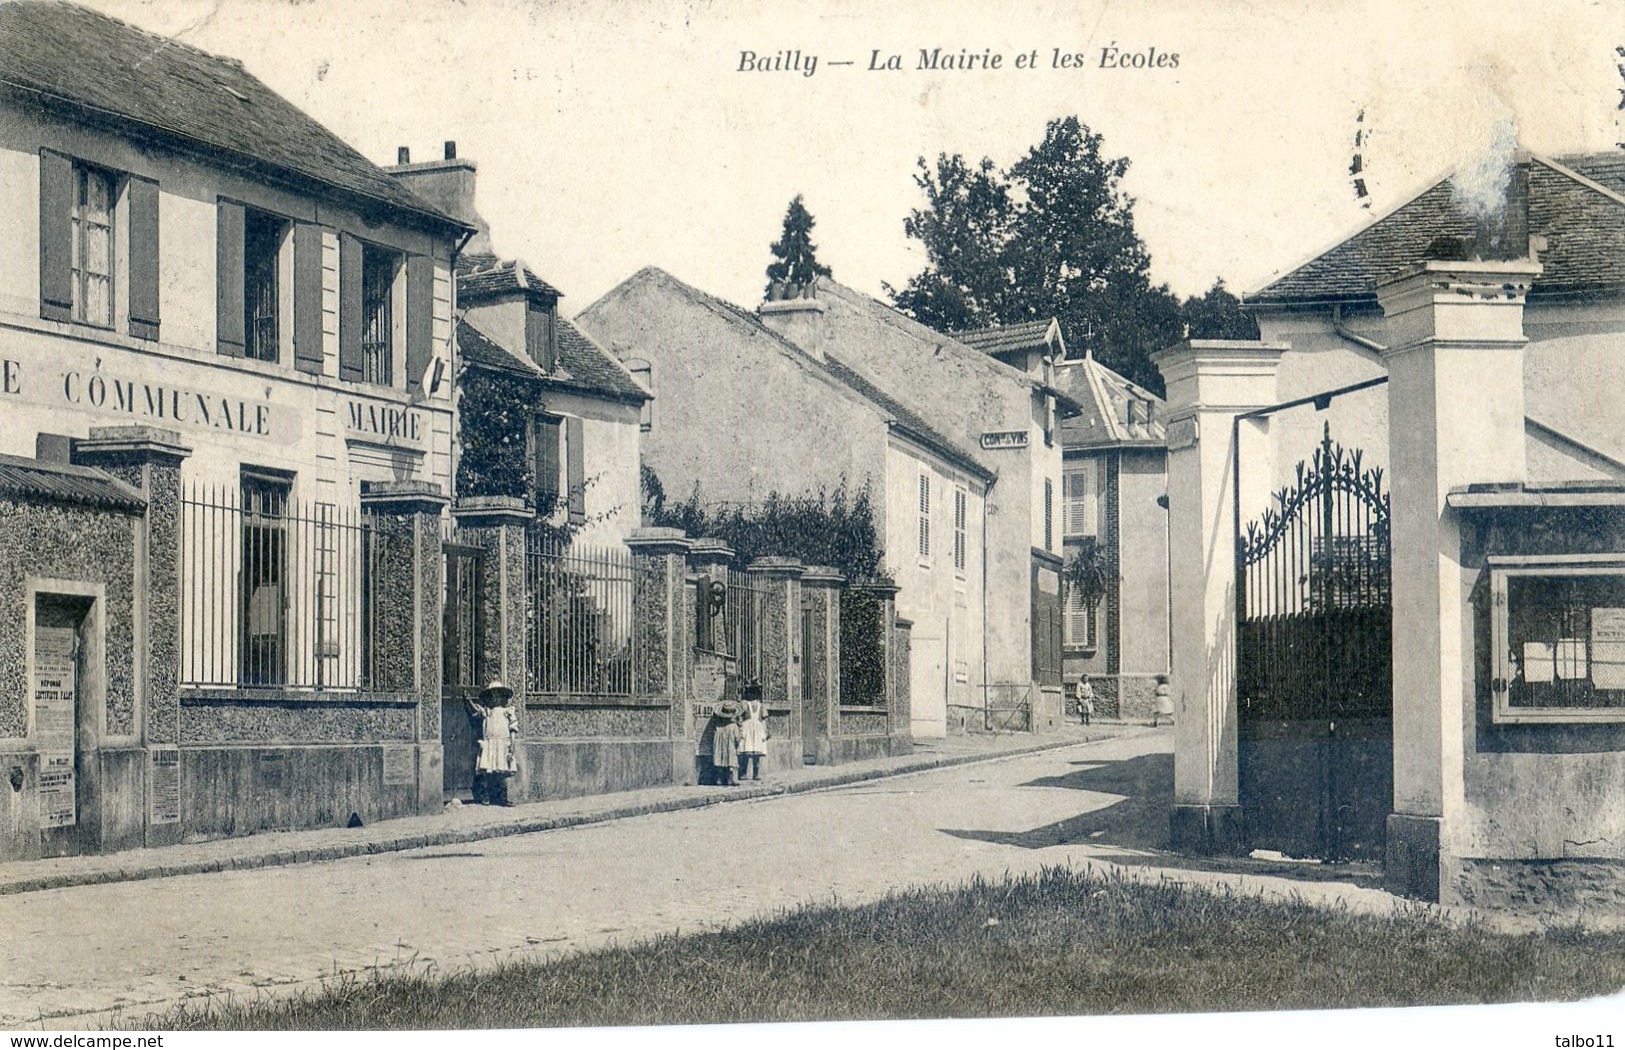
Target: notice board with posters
55	714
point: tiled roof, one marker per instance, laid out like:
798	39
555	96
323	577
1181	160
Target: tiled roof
483	276
907	420
1008	338
61	55
583	365
1575	203
1106	419
65	483
898	415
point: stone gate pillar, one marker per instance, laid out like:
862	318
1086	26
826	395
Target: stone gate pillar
1210	383
408	599
1456	416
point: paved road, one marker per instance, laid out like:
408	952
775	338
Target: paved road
142	945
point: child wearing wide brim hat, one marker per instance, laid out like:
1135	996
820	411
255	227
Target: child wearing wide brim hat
725	744
497	759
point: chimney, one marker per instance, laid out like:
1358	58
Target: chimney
403	155
448	184
796	315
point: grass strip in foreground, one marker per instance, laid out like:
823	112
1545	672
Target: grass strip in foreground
1058	943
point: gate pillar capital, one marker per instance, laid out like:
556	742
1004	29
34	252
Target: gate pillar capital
1210	383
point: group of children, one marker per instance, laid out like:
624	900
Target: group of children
739	739
1162	706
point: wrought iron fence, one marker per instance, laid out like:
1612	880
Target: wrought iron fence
580	638
275	594
744	619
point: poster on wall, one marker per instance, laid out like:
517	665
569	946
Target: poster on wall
54	717
165	780
1608	648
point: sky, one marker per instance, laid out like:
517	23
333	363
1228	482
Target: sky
611	136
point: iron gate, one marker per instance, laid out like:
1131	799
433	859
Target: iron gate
462	667
1315	663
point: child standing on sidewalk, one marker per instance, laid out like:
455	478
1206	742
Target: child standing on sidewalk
725	744
752	734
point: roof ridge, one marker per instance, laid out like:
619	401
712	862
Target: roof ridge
1586	181
162	40
1344	238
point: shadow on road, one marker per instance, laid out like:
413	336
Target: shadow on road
1134	831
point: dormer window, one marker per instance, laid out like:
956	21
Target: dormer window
541	335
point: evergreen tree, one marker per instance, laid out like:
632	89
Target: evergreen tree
1216	314
795	256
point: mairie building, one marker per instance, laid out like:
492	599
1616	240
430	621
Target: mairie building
226	439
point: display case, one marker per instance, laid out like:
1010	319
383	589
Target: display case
1557	637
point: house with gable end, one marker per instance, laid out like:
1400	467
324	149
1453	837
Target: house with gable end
743	411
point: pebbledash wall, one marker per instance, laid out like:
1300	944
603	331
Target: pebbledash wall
127	532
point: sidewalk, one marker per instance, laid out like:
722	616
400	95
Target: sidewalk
459	824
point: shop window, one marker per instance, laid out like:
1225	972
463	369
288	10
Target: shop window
263	649
263	237
1557	636
379	268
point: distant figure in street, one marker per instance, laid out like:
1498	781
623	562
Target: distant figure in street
1086	699
752	734
498	734
1164	705
725	744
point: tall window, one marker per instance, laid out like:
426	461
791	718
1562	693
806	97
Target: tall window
263	652
94	193
1049	514
262	303
1082	499
925	515
549	458
378	270
960	501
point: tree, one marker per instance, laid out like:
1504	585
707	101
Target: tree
795	256
1216	314
1052	236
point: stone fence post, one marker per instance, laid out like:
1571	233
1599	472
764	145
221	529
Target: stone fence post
149	459
781	646
498	524
899	653
407	603
659	565
711	677
821	648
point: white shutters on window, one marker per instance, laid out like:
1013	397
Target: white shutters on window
925	515
1081	495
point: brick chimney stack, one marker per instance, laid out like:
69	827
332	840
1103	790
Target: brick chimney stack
448	184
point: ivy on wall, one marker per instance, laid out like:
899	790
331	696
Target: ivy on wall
494	420
828	527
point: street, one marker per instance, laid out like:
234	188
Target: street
139	946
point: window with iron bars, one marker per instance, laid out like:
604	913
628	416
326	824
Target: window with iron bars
263	236
275	594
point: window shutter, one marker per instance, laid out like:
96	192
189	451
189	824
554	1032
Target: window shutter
307	298
419	317
229	279
350	319
577	470
547	461
55	236
143	202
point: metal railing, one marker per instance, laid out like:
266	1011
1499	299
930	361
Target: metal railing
275	594
579	632
744	617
